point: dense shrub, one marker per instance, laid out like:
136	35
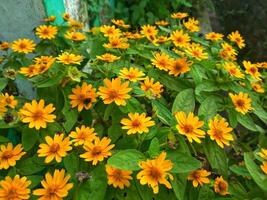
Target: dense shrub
160	113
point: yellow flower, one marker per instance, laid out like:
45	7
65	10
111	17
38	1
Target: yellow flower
82	134
3	109
264	167
155	172
162	23
110	31
114	91
180	38
161	39
237	38
83	96
29	71
9	155
214	36
43	63
233	69
107	57
221	186
75	24
15	189
134	36
44	59
180	66
190	126
8	100
199	177
192	25
4	45
257	87
37	114
149	31
263	154
75	36
162	61
241	101
23	46
69	58
138	123
55	187
118	177
120	23
262	65
46	32
252	70
151	88
116	43
55	148
97	150
179	15
66	16
131	74
220	131
227	52
51	18
197	51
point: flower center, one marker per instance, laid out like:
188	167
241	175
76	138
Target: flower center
7	154
188	128
240	103
45	31
253	70
136	123
96	151
54	148
113	94
222	186
155	173
38	115
117	175
218	133
22	45
12	193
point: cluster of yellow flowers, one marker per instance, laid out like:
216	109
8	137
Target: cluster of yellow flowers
127	82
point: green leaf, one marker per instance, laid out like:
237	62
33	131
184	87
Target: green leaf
247	122
184	101
232	116
209	107
71	163
35	180
3	139
30	166
240	170
216	157
205	193
114	132
259	111
179	185
207	86
183	162
254	171
154	147
71	115
133	106
126	159
29	137
95	187
3	83
163	113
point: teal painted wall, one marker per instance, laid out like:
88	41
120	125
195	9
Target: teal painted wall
56	8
